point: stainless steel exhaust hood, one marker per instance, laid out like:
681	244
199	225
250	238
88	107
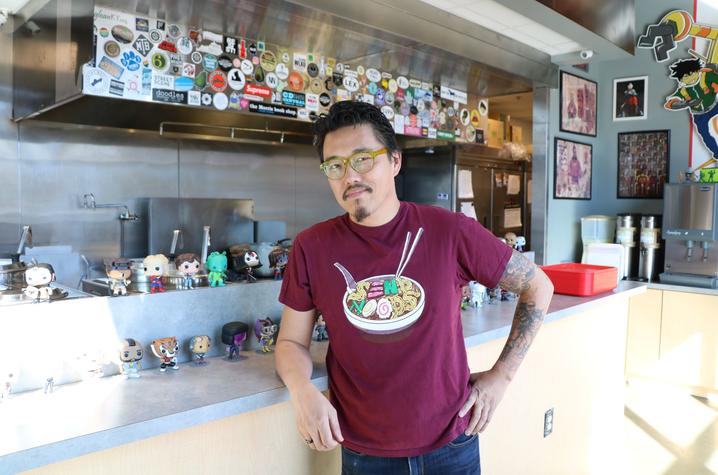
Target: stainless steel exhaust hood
52	43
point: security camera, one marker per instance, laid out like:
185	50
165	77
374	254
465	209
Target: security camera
32	28
3	16
586	54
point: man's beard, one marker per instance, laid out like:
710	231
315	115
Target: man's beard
360	214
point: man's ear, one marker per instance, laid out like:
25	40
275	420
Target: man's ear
396	161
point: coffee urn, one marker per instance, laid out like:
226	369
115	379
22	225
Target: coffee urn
650	261
627	236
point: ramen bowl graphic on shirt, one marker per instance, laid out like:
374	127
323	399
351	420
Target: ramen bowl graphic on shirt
386	303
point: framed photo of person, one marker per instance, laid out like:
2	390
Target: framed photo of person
629	98
643	163
578	99
573	167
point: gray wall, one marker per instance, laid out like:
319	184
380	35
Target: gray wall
46	169
563	220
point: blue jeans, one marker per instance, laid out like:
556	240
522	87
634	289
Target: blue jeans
703	124
458	457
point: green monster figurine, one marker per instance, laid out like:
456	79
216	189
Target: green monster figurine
216	267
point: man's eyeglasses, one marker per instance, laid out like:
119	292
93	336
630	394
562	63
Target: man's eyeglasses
362	162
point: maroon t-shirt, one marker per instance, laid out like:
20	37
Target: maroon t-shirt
398	373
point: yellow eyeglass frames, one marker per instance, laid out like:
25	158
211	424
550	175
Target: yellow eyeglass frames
362	162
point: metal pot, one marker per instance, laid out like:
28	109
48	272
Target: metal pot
175	281
13	275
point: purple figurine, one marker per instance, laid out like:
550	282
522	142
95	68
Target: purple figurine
233	335
264	330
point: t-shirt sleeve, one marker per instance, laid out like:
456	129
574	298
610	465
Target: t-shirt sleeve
480	255
296	291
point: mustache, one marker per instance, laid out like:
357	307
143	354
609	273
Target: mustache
356	188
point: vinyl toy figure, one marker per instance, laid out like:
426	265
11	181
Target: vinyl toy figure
199	346
264	330
155	268
233	335
166	350
520	243
478	294
7	379
278	260
320	329
130	357
188	265
38	278
249	260
119	272
217	268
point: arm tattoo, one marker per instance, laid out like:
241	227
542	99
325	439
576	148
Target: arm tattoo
519	271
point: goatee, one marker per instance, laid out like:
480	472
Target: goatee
360	214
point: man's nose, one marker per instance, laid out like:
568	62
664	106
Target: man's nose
352	176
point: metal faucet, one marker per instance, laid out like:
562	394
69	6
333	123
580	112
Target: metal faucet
25	239
177	237
88	201
205	244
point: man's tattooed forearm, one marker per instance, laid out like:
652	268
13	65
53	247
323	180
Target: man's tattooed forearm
527	322
519	271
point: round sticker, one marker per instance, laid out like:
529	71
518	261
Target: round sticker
402	82
184	45
372	88
442	117
483	107
247	67
350	84
389	98
155	36
339	68
325	99
206	99
285	57
104	32
174	31
470	133
271	80
465	117
237	63
373	75
112	49
160	61
450	112
220	101
282	71
392	86
388	112
420	106
315	85
122	34
236	79
296	81
268	61
218	81
360	70
224	62
95	82
313	70
196	57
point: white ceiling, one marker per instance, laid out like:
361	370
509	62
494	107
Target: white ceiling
13	5
494	16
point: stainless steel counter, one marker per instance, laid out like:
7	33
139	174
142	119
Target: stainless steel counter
80	418
682	288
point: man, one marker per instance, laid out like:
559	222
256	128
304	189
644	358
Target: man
404	400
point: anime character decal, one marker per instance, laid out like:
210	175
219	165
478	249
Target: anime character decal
696	76
384	304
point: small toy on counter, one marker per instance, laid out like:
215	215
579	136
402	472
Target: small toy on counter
188	265
494	295
49	385
119	272
510	239
233	334
477	294
320	329
38	278
520	243
8	377
166	350
278	260
264	330
199	346
130	357
155	268
245	261
217	268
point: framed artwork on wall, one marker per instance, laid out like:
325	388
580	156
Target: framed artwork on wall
629	98
643	163
578	101
573	167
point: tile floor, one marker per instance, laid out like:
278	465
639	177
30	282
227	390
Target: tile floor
669	432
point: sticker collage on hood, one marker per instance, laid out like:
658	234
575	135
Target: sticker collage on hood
157	61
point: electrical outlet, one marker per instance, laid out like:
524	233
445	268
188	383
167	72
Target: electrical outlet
548	422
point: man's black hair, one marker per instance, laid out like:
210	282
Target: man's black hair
352	114
685	66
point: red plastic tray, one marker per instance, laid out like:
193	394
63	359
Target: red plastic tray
581	279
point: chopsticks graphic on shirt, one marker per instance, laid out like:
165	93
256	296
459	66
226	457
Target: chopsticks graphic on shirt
405	257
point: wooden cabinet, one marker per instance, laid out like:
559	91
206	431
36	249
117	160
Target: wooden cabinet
673	337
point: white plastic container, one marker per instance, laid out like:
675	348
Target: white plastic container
598	228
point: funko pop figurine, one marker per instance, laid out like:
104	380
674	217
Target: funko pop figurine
166	350
278	259
131	356
188	265
320	329
494	295
155	267
233	335
477	294
520	243
119	272
510	239
217	268
49	385
199	346
264	330
38	278
245	261
7	379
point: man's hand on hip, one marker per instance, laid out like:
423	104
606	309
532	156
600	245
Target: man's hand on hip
487	390
316	418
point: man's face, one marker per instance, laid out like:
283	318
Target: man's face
691	79
361	195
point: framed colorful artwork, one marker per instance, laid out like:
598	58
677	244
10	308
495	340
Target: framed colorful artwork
643	163
629	98
578	104
573	167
